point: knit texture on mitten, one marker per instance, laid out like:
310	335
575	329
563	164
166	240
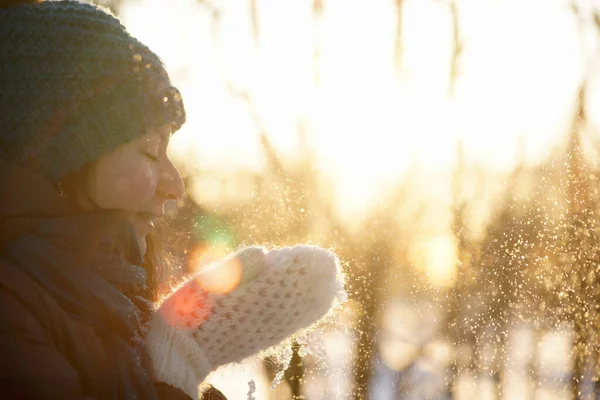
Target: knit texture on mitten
281	292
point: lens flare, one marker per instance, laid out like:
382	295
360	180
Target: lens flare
188	307
218	276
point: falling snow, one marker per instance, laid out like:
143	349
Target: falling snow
472	271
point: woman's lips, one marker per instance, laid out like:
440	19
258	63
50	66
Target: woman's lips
144	224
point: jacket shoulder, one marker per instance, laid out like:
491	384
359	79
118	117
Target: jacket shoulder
20	292
31	365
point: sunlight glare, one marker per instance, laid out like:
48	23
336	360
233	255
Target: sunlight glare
437	257
517	82
365	124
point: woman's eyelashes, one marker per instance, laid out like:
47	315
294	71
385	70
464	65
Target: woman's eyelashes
151	157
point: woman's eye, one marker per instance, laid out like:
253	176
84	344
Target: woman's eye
151	156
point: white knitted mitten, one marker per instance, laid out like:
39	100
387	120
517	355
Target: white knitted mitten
280	293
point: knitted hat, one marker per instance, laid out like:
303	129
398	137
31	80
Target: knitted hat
74	84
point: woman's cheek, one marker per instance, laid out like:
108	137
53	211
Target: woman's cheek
136	182
144	180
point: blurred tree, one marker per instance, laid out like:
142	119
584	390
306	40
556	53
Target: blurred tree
457	47
459	292
317	16
580	261
398	40
371	259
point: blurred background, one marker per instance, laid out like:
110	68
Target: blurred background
446	150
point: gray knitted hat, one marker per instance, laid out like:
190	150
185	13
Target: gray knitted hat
74	84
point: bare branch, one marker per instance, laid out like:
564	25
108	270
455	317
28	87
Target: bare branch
317	13
255	22
457	48
398	50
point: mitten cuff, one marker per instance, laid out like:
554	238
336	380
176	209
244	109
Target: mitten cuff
176	358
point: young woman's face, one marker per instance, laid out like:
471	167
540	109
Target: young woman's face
138	178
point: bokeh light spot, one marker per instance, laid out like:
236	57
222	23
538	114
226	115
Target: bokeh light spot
218	276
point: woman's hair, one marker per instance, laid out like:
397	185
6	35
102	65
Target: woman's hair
157	263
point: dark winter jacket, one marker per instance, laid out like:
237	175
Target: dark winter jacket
72	300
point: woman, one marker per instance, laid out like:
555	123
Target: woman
87	114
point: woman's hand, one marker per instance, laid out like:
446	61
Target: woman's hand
280	292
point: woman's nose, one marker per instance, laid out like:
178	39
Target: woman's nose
171	184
